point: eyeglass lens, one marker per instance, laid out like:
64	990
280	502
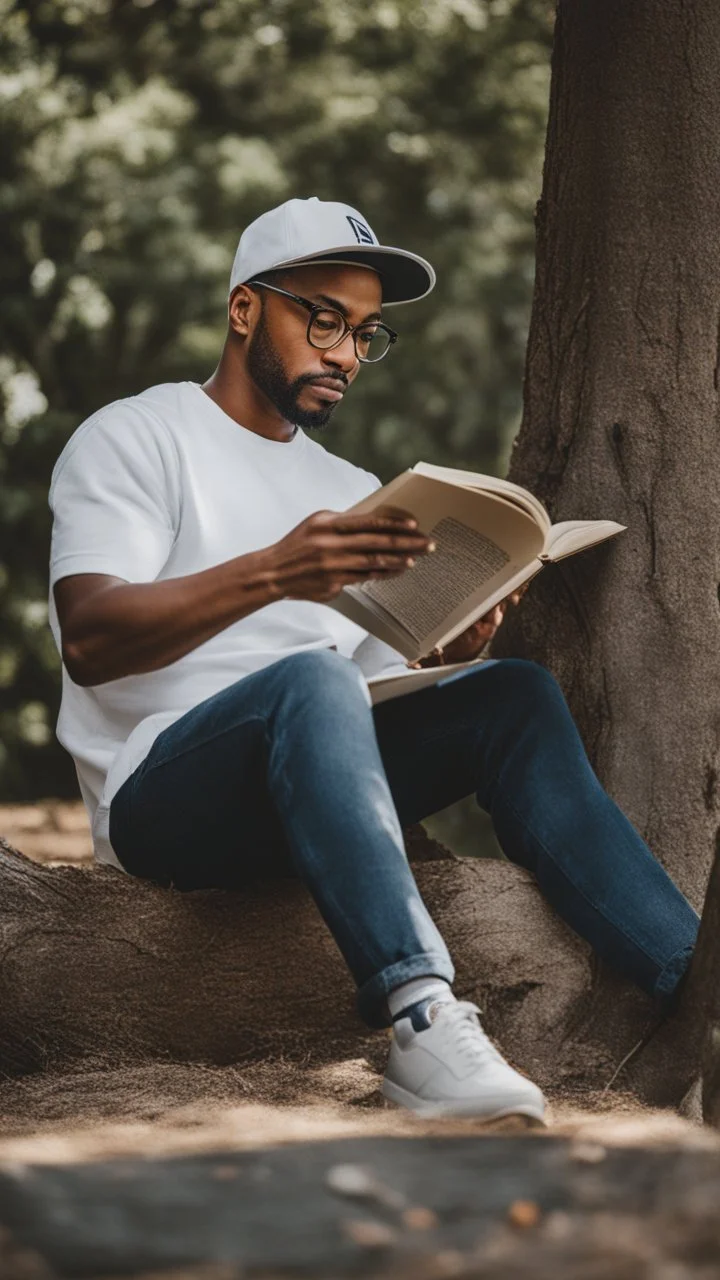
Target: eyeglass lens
328	327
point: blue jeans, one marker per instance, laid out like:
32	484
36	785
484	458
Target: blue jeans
290	771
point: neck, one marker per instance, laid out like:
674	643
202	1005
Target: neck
239	397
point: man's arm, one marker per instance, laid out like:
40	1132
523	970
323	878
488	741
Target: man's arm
112	628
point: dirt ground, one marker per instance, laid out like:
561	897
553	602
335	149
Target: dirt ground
55	832
172	1108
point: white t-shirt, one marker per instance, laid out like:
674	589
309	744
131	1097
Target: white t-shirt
165	484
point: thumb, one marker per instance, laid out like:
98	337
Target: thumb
494	617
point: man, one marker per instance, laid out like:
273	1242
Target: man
217	709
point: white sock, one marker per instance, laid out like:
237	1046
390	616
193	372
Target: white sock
417	989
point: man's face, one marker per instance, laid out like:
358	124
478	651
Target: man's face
306	384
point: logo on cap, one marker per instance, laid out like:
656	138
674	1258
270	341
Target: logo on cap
362	234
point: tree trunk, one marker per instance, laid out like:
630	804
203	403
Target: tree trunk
97	965
705	975
621	409
701	1013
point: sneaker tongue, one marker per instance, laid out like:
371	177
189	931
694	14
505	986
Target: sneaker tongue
435	1007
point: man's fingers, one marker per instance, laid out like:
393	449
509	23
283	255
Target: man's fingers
494	617
389	512
386	520
372	562
388	543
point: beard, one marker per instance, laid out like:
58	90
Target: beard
266	370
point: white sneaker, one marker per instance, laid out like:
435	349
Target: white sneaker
443	1064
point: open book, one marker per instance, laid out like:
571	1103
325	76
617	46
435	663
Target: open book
492	536
406	680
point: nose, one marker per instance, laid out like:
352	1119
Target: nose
342	356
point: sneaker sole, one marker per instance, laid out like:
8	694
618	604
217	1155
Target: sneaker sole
432	1110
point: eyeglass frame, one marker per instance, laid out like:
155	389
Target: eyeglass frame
313	307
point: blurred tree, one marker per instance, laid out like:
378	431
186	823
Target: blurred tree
137	139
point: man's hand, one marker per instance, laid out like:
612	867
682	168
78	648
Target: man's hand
331	549
112	628
470	643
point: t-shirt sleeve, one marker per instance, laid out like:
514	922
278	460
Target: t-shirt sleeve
111	496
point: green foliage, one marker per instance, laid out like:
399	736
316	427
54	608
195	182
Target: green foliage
138	139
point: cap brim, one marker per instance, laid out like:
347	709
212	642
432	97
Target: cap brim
405	276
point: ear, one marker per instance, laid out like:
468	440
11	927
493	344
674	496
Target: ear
243	310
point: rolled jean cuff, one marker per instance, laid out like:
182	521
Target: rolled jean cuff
668	983
372	995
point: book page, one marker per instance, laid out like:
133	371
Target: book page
570	536
396	685
491	484
420	600
485	546
370	615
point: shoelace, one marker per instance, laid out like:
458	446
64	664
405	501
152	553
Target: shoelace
461	1019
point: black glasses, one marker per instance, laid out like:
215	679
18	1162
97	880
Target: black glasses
328	328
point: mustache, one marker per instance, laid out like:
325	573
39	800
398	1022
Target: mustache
309	379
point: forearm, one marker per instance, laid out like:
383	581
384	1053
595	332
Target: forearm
130	628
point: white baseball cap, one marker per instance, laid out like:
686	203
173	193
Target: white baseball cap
299	232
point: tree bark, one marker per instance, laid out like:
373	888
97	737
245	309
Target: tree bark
97	965
701	1012
621	409
704	982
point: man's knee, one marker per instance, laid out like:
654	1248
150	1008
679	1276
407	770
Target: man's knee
527	674
518	681
324	673
523	675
